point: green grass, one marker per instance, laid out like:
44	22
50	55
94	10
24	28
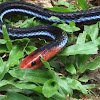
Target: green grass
48	82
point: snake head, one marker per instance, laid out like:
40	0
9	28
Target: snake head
33	60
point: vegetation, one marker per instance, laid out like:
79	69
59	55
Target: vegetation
51	83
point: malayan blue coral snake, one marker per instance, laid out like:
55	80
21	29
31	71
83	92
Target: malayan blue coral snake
58	36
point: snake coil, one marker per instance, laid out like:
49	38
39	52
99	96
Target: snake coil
58	36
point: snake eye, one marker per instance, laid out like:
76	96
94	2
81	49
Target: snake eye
33	63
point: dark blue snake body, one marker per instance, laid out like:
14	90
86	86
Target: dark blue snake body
58	35
33	10
38	31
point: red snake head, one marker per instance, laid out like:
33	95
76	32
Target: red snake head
33	60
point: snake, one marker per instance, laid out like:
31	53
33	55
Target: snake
59	37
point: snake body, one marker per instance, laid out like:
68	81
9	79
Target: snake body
59	37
